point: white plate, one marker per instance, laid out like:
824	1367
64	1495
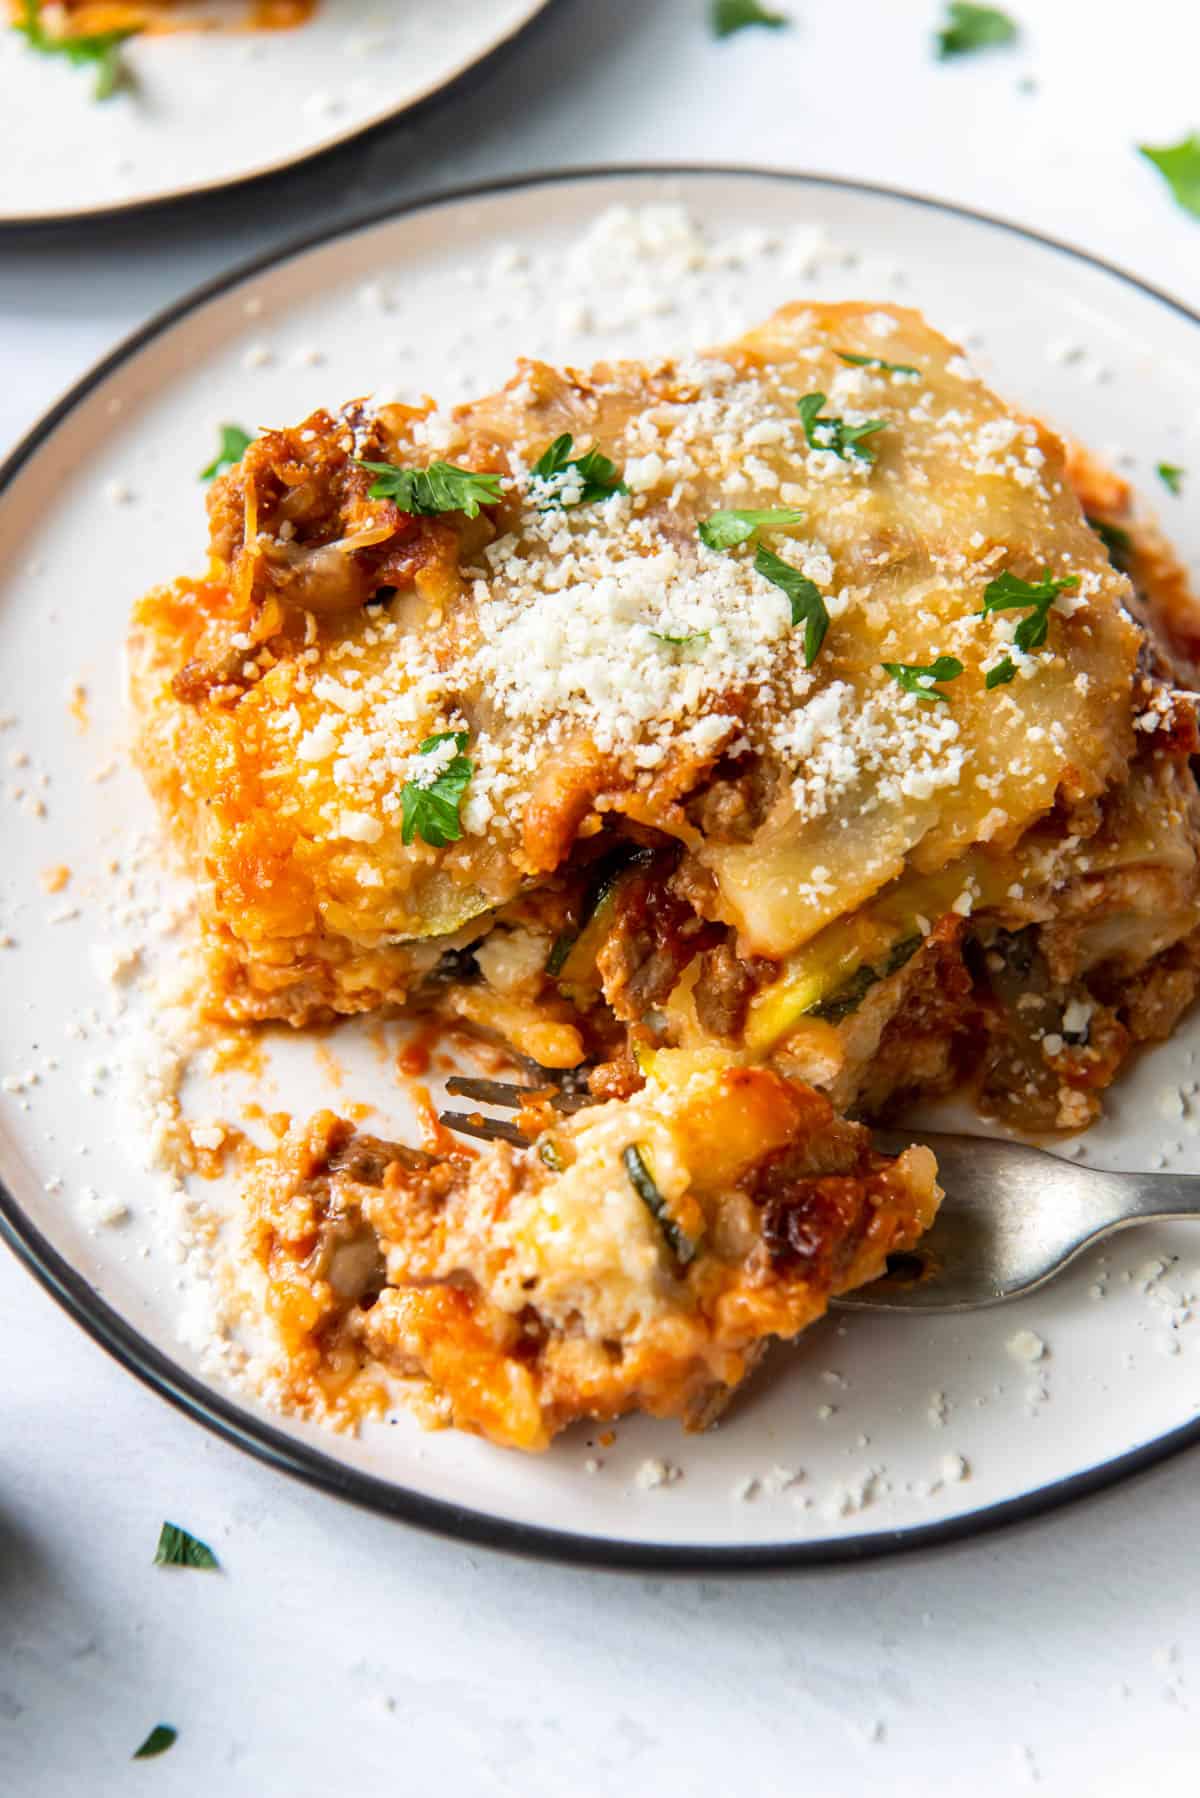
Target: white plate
903	1429
205	110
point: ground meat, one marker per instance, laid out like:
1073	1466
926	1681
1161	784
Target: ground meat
726	986
735	802
197	679
918	1047
815	1227
654	936
1151	1002
366	1159
310	503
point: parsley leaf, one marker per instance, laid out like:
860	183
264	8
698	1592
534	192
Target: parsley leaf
888	368
646	1188
807	605
1171	477
684	638
725	530
970	28
728	16
429	809
834	433
916	677
596	476
1116	541
1000	675
1179	165
1009	592
177	1548
161	1737
234	444
439	488
102	49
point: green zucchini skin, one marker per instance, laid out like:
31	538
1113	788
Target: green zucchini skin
849	997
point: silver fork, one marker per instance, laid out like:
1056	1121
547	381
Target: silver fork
1013	1217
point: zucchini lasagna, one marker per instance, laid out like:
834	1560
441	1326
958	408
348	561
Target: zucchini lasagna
746	744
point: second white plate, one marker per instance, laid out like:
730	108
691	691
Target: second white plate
206	109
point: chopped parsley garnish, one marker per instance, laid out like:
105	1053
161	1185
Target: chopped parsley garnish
1116	541
918	678
100	50
430	807
728	16
642	1182
970	28
835	434
161	1737
177	1548
549	1156
725	530
579	480
807	605
1171	477
684	637
887	368
1008	592
1179	165
234	444
439	488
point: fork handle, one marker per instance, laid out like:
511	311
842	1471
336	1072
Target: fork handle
1138	1197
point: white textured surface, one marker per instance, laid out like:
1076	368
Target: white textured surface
339	1649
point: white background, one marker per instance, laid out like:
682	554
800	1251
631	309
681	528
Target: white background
338	1652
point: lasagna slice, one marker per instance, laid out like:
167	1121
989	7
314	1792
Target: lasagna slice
781	704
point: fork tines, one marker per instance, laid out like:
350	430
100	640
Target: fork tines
469	1123
510	1095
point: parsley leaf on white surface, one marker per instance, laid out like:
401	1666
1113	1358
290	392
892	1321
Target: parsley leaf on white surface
918	678
439	488
808	607
728	16
1171	476
161	1737
234	444
100	50
725	530
430	804
179	1548
1179	165
970	28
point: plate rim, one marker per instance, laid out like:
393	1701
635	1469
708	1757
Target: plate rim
207	1405
456	83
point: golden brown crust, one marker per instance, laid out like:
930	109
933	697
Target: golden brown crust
522	1312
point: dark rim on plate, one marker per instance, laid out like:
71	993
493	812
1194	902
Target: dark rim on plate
206	1405
460	82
